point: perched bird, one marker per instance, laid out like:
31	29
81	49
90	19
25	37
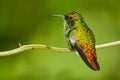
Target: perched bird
80	38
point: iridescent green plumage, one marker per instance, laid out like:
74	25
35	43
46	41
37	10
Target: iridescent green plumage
81	39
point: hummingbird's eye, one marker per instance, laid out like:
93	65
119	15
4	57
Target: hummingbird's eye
70	17
67	17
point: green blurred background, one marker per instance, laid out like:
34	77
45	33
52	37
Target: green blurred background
30	21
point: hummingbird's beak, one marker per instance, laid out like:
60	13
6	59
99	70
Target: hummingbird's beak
62	16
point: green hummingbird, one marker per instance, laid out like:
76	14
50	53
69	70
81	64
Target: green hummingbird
80	38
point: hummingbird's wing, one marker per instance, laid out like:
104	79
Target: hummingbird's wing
84	45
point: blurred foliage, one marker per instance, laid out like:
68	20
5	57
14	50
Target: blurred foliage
30	21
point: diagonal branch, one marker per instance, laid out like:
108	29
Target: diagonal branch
45	47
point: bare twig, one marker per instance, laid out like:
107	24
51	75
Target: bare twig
39	46
106	45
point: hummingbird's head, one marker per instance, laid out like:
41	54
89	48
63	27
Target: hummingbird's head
71	17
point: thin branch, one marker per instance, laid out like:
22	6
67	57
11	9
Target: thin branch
39	46
106	45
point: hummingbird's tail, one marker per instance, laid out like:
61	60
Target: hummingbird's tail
93	64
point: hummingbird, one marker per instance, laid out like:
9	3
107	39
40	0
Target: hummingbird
80	38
